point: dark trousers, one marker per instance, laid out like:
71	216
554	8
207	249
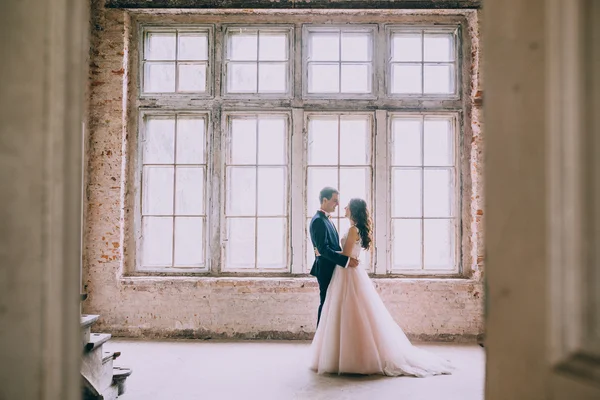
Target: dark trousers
323	285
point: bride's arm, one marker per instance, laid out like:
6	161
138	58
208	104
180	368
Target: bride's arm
350	241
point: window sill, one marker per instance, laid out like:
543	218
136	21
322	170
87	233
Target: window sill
144	277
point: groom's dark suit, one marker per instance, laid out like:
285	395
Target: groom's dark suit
325	239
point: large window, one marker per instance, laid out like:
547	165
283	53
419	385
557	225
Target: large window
257	61
339	155
423	196
173	179
339	60
243	124
422	61
256	182
176	60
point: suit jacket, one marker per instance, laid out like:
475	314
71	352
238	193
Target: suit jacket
326	240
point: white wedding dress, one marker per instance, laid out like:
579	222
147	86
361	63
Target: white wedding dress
357	334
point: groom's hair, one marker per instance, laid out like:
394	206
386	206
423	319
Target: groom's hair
327	193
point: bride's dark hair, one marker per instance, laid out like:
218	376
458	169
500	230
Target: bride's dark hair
362	220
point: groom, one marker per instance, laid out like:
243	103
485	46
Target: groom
326	242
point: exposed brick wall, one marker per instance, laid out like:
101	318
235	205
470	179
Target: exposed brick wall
446	309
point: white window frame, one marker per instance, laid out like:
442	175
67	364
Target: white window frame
423	29
297	104
308	213
225	147
171	28
306	31
138	188
457	201
289	30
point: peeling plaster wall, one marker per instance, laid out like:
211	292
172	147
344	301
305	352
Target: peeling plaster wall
203	307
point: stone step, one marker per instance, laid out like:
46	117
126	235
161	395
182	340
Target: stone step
88	320
97	367
99	377
120	375
97	340
86	328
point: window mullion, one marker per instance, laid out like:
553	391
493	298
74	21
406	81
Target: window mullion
219	221
256	199
298	195
382	189
340	62
174	188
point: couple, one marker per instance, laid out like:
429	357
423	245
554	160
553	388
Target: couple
355	332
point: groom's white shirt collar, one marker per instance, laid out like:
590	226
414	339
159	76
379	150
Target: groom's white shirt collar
324	212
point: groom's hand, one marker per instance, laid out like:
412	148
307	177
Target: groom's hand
353	263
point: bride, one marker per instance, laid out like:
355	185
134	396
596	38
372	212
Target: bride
356	333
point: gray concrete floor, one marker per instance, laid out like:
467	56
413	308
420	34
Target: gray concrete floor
277	370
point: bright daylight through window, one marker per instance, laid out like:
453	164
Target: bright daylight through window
241	126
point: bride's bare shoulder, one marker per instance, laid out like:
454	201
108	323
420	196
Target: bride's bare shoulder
353	231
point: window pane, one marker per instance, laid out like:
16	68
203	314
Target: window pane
406	149
324	46
241	191
439	47
356	78
356	46
240	243
191	140
157	241
160	46
354	183
272	196
192	78
159	140
273	46
323	141
193	46
243	46
159	77
439	79
407	47
318	178
406	79
157	191
406	193
355	140
190	191
242	77
406	245
439	143
438	193
439	244
272	133
323	78
272	78
189	241
243	141
272	243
